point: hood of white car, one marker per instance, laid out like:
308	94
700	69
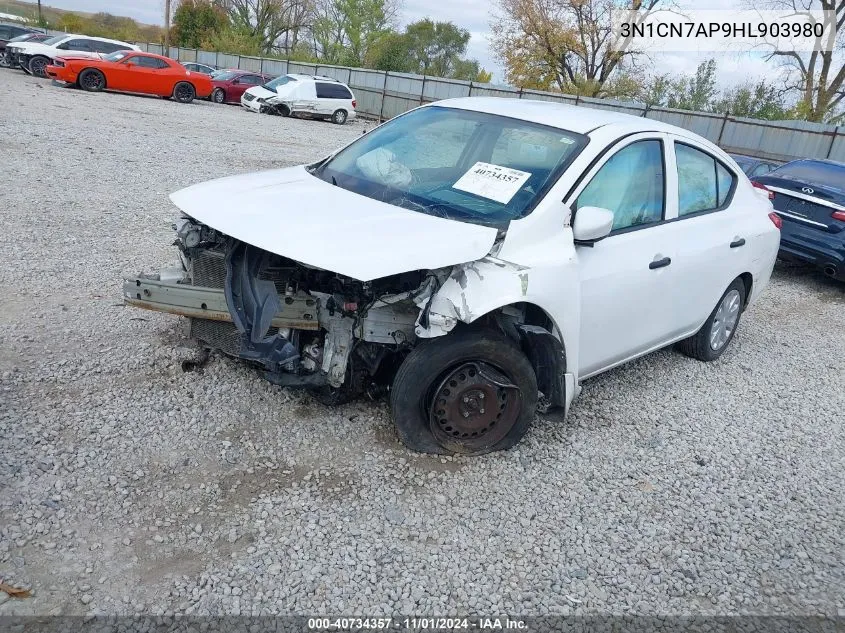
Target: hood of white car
36	48
262	92
294	214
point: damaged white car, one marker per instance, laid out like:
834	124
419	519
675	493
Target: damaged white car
476	259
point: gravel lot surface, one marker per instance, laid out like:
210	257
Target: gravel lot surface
128	486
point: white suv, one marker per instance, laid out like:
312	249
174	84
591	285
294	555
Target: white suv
313	95
34	57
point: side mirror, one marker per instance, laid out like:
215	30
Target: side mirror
591	225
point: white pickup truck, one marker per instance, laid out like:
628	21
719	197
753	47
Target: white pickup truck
476	259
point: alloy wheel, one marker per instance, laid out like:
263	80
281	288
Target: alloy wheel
724	322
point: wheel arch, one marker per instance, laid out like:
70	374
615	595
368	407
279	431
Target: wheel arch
535	331
748	280
99	70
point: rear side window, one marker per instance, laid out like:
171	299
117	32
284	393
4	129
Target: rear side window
108	47
332	91
704	184
632	184
77	45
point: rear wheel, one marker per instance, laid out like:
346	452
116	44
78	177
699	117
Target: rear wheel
718	331
38	65
184	92
470	392
339	117
218	96
92	80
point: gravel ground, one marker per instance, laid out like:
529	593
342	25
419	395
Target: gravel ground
128	486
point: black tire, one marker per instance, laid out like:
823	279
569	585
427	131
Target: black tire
339	117
422	379
184	92
699	345
38	65
283	110
92	80
218	95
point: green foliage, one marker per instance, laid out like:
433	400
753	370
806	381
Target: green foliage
196	21
234	41
427	48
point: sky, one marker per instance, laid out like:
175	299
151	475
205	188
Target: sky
474	16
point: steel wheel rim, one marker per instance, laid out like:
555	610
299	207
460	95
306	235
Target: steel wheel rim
92	80
473	407
724	322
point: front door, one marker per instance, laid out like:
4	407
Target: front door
627	279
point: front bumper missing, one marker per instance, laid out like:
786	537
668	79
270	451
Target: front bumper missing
150	293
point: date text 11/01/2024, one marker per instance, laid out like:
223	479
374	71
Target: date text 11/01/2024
416	623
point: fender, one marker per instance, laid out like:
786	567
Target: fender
477	289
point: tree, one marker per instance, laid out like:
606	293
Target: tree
817	77
72	23
268	20
345	30
756	101
565	44
196	21
697	92
234	40
435	48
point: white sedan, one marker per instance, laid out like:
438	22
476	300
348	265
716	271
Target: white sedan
476	259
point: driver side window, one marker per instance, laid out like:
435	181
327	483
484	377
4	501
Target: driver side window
632	184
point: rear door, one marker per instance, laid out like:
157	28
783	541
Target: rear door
713	235
245	82
331	97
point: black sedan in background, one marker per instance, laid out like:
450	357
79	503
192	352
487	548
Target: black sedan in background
809	195
754	167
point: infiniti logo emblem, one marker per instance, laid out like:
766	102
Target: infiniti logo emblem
808	190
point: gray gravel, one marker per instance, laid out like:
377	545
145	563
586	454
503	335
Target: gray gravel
128	486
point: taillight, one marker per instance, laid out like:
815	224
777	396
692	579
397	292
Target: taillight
354	103
762	187
838	215
776	220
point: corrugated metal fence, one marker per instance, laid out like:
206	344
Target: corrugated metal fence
383	95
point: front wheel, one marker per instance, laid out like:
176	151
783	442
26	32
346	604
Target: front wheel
184	92
471	392
38	66
339	117
718	330
218	96
92	80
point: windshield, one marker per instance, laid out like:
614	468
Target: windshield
225	76
814	173
116	57
278	81
54	40
458	164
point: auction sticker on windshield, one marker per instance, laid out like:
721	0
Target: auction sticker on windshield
492	181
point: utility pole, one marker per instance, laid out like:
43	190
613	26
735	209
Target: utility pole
40	18
166	27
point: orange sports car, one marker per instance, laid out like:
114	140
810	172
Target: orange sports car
132	71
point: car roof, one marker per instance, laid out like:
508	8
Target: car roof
18	25
577	119
314	77
97	39
825	161
145	54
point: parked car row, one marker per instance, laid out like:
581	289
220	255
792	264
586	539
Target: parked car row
95	64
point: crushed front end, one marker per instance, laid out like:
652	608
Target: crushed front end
304	326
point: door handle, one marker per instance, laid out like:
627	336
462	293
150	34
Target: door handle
738	242
660	263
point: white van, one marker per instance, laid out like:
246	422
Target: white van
314	95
